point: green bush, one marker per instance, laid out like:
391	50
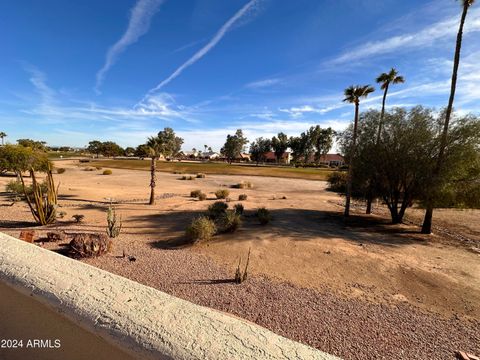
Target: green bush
15	188
107	172
222	193
337	181
201	229
263	215
195	193
61	170
229	222
201	176
242	197
217	209
202	196
239	209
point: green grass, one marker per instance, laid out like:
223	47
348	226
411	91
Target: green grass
63	154
218	168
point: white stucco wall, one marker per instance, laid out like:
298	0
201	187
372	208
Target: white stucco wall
137	319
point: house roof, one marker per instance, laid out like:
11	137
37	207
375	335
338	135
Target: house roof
270	155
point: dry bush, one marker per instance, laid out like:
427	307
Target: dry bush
229	222
242	197
222	193
107	172
98	167
201	229
195	193
243	185
240	276
187	178
78	218
239	209
217	209
202	196
61	170
201	176
54	236
89	168
263	215
89	245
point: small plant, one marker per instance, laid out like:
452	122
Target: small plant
78	218
107	172
263	215
240	276
98	167
89	168
184	177
229	221
222	193
202	196
61	170
178	172
201	176
201	229
239	209
217	209
114	226
195	193
89	245
61	214
242	197
243	185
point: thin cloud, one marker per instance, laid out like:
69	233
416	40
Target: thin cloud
140	18
263	83
211	44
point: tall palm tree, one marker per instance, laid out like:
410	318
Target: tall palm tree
353	94
2	136
387	79
427	221
154	152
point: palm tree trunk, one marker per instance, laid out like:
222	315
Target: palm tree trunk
350	165
427	221
153	176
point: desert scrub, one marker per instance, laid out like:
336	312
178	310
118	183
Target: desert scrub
201	229
337	181
61	170
187	178
202	196
243	185
239	209
195	193
263	215
242	197
222	193
241	276
78	218
15	188
217	209
98	167
201	176
229	222
114	226
107	172
89	168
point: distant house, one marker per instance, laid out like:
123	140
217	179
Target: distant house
332	160
270	157
210	155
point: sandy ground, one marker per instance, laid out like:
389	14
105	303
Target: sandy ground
365	267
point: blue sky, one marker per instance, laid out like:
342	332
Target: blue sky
74	71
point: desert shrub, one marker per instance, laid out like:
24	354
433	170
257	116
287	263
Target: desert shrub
263	215
230	221
187	178
217	209
78	218
241	276
222	193
202	196
89	245
243	185
61	214
114	226
15	188
98	167
337	181
239	209
201	229
54	236
178	172
84	160
195	193
61	170
89	168
201	176
107	172
242	197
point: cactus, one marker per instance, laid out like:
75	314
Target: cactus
113	225
239	276
44	203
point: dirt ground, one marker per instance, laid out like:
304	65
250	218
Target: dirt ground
308	244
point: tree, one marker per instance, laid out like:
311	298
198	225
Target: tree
353	94
234	145
2	136
33	144
259	148
427	221
302	147
142	151
322	141
18	159
166	143
279	145
110	149
95	147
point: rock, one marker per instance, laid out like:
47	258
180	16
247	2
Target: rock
27	236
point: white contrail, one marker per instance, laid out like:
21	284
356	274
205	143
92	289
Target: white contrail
139	23
211	44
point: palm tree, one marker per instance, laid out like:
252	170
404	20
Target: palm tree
427	221
353	94
3	135
386	79
154	153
